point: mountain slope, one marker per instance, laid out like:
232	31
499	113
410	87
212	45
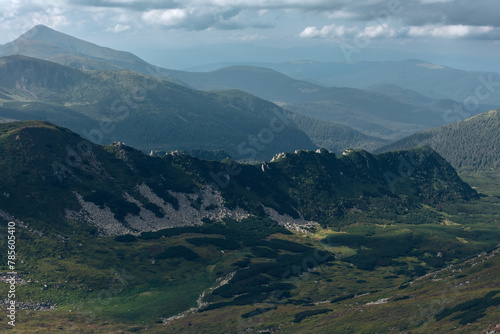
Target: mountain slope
472	144
111	238
37	155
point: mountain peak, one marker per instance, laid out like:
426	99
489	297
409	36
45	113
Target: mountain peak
42	33
46	43
40	27
45	34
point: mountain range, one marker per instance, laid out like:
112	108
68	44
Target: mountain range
432	80
153	114
386	113
317	186
374	113
94	102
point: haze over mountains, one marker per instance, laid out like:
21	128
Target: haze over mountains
152	114
432	80
178	117
387	114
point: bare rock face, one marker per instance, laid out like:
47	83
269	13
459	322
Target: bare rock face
102	218
192	208
209	204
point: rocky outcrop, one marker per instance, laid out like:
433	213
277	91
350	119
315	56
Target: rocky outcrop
192	209
296	224
100	217
43	306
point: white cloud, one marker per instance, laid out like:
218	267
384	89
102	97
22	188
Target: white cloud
378	31
341	31
449	31
340	14
18	16
169	17
328	31
119	28
388	31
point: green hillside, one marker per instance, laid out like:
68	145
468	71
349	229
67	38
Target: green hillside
320	185
469	145
110	239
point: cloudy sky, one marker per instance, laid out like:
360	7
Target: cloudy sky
182	33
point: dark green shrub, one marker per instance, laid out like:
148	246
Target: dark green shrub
237	287
218	242
118	205
162	191
258	311
126	238
178	251
264	252
242	264
391	277
401	298
341	298
288	246
302	315
154	209
472	309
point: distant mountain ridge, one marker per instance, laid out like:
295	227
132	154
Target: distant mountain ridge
469	145
153	114
431	80
382	112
